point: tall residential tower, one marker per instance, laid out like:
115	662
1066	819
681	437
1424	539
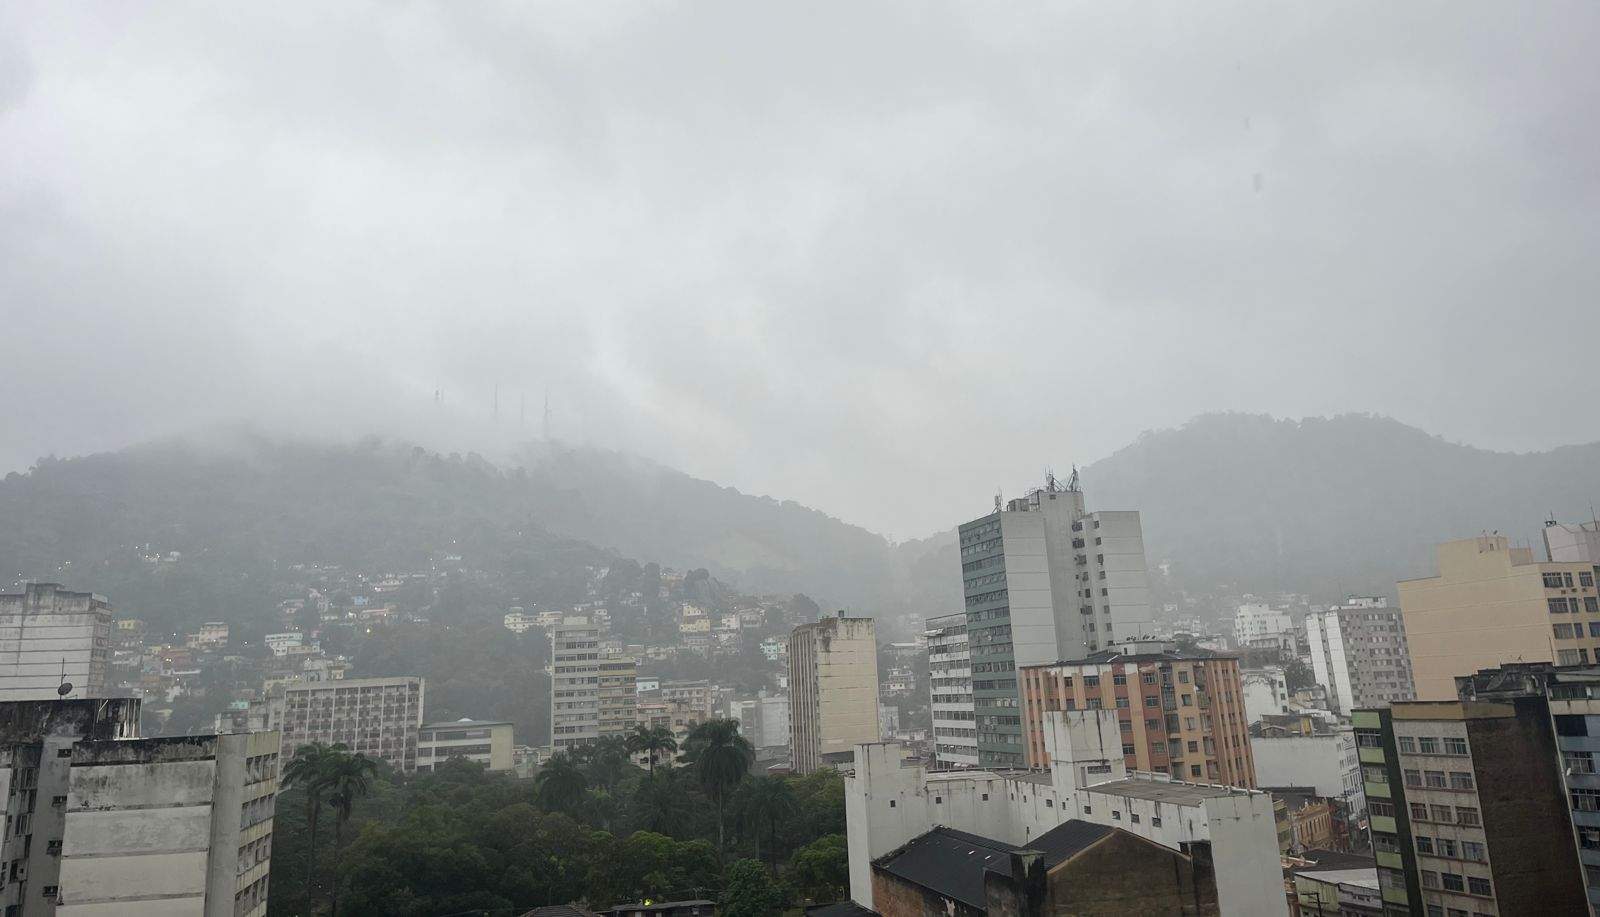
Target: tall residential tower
833	683
1358	652
1044	581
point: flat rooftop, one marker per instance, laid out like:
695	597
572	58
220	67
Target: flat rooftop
1178	794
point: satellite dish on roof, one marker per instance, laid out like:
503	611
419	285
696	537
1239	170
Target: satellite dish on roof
64	688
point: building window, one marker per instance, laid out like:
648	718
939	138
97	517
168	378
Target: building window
1430	879
1479	886
49	891
1424	844
1155	821
1133	817
1119	678
938	800
1381	808
1127	749
1447	847
1453	881
1467	815
1408	745
1472	850
58	801
1427	745
891	803
1435	779
1419	811
1460	781
1585	800
1589	838
1086	810
53	848
1563	631
1049	803
985	797
1116	815
1455	746
1585	578
1414	778
65	752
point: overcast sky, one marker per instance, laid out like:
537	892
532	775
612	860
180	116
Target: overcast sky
879	258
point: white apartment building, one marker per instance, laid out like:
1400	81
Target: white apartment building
1572	544
887	804
101	822
955	735
518	621
1326	761
1044	581
1358	652
763	720
481	741
1266	692
1257	623
574	683
833	684
378	717
50	636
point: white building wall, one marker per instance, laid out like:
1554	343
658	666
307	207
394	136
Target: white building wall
1326	762
888	804
1266	691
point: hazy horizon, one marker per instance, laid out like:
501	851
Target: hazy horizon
878	259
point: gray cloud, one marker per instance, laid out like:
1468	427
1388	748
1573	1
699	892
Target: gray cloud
880	258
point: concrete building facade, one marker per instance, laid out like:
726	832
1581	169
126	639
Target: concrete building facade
955	733
1572	544
1326	762
1491	604
1266	692
1044	580
377	717
101	822
1359	653
1258	624
1466	809
170	827
888	804
618	701
574	682
833	689
50	636
483	742
1180	713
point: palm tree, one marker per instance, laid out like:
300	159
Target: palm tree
721	759
347	778
651	740
607	761
766	800
561	783
660	804
306	770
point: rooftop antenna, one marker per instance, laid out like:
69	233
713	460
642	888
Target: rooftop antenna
997	499
65	687
1072	482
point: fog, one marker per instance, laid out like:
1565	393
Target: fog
879	258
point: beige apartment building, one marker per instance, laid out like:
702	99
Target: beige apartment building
1492	604
619	700
1179	712
833	683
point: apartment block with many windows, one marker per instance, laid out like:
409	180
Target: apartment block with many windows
574	682
378	717
1466	811
1044	580
1358	652
1179	713
955	735
1492	603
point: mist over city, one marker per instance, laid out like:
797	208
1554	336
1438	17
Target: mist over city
749	459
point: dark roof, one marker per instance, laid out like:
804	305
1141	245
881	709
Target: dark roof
842	909
559	910
1065	840
1320	858
952	863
